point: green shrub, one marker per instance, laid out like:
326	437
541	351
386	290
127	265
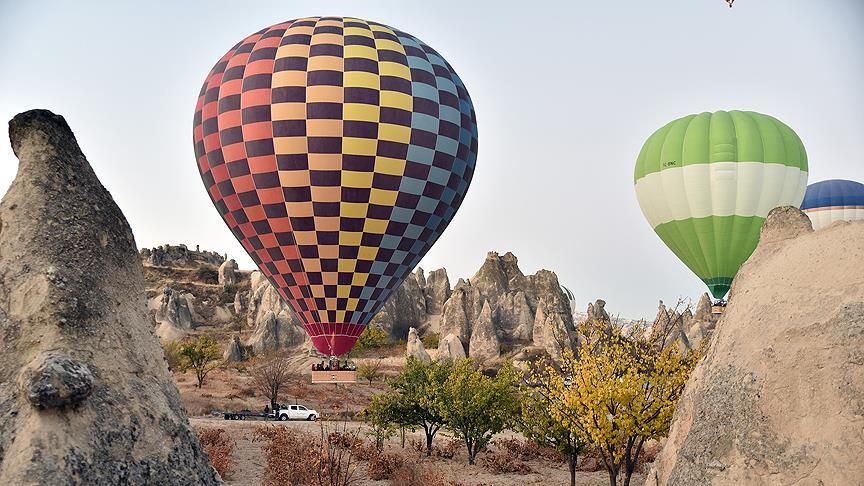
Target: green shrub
172	354
372	338
431	340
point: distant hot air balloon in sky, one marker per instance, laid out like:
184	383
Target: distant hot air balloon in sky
706	183
833	200
337	150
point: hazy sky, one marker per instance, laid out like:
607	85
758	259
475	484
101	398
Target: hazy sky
566	92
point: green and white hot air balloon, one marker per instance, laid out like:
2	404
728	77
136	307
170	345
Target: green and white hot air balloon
706	183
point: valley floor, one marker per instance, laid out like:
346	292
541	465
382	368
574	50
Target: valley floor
250	464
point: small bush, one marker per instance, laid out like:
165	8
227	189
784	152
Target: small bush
414	474
590	461
299	459
219	446
504	463
382	466
207	274
431	340
449	450
171	349
528	450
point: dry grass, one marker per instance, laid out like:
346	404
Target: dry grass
414	474
219	446
383	465
302	460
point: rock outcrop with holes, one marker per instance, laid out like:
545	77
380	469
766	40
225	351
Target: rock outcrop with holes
414	347
778	397
85	394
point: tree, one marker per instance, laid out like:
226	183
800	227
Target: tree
201	355
369	371
270	377
418	390
475	407
538	424
617	390
381	417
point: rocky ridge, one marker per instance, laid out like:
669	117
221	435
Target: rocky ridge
495	314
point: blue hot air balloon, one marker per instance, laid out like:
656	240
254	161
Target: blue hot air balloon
833	200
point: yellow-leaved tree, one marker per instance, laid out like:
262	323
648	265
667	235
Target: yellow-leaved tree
617	390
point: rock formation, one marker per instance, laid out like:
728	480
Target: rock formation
450	347
275	326
514	301
176	310
597	311
437	291
777	398
228	274
463	306
551	330
683	328
485	344
239	302
275	333
85	394
404	309
420	275
234	351
179	256
415	347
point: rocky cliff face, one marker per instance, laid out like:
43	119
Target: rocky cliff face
85	394
778	397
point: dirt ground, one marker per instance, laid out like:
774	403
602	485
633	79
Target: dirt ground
250	464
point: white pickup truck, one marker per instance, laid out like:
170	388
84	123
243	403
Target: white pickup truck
296	412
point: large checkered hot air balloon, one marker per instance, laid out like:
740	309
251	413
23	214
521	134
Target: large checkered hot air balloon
337	150
827	202
706	183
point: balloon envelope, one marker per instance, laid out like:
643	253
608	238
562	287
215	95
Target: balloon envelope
706	182
336	150
827	202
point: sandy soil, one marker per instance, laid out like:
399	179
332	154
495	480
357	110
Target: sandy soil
250	464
